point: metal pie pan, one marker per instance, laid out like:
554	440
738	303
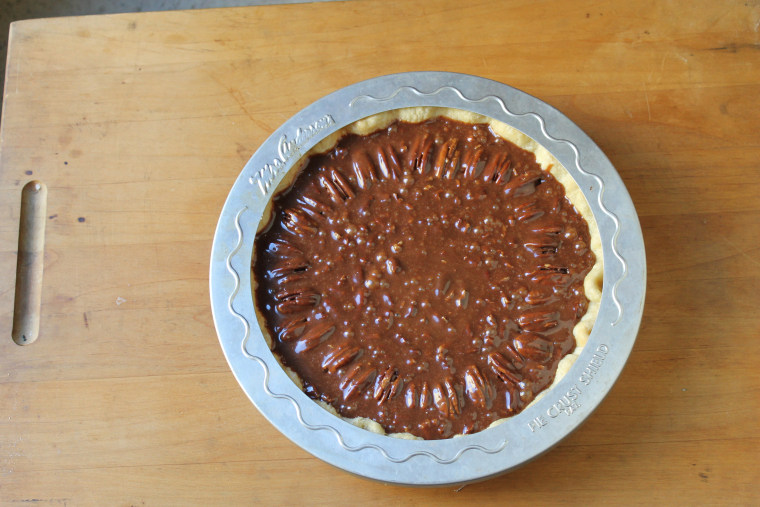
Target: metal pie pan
429	462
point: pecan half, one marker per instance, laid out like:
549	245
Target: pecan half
341	355
497	168
363	169
297	302
539	320
356	379
503	368
314	335
298	222
527	211
477	388
387	384
534	347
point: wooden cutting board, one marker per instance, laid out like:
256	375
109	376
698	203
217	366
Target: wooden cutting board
139	124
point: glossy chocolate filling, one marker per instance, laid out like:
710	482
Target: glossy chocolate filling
426	276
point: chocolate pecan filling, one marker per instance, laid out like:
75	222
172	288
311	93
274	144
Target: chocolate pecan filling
426	276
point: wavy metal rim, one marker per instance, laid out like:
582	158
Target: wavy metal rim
462	459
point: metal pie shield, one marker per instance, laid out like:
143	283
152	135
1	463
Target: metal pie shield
429	462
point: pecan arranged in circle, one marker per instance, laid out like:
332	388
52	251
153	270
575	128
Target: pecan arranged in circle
426	276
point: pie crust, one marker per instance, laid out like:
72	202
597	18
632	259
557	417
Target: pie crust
592	284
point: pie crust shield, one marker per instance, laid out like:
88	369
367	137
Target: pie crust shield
419	462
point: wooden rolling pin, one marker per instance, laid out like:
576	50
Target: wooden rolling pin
31	253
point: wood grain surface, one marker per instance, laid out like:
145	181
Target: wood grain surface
140	123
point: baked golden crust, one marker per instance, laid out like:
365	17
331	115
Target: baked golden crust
592	282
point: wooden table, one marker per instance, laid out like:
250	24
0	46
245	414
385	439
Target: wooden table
139	124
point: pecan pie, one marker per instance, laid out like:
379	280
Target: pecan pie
427	272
